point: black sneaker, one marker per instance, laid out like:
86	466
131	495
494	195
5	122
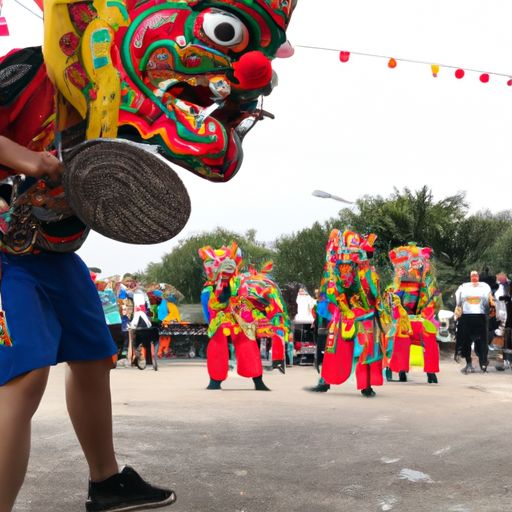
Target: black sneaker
279	365
431	378
468	369
319	388
368	392
126	491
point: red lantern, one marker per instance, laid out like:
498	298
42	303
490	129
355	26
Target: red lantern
392	63
484	78
459	73
4	29
344	56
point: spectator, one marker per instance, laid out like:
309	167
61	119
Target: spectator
504	318
473	301
125	323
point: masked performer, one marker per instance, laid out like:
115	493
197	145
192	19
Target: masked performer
240	308
183	75
349	300
415	303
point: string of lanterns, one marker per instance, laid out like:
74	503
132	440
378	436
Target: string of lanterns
435	69
344	56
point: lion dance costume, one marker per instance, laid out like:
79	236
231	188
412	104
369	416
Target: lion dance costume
186	76
350	302
241	307
414	300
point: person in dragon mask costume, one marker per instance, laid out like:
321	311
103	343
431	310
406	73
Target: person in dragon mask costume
350	301
184	76
240	308
415	301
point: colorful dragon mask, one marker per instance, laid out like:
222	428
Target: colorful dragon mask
221	264
346	246
346	252
410	262
185	75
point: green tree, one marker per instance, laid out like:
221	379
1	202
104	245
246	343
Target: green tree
407	217
499	250
300	257
461	242
183	268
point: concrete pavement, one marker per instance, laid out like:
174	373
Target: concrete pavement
415	447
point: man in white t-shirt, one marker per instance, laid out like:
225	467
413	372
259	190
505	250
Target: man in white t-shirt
473	300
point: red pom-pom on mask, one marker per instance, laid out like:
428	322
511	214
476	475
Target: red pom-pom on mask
253	70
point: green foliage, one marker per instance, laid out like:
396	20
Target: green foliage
460	242
500	251
407	217
300	257
183	268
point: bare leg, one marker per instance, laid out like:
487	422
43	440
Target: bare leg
90	410
19	400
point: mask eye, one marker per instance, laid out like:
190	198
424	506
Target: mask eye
226	30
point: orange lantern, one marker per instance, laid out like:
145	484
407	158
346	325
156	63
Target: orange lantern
392	63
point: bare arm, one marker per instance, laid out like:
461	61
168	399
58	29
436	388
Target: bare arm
32	163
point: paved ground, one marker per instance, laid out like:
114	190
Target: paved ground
415	447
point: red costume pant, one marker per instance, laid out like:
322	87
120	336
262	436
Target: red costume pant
165	345
337	367
277	348
402	349
248	360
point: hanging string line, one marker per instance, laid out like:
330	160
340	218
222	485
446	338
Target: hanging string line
509	75
321	48
29	10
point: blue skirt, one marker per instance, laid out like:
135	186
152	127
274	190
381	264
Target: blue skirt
53	313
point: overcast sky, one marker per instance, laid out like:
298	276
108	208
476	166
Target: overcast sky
356	128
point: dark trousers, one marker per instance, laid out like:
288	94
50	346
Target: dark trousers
472	328
507	344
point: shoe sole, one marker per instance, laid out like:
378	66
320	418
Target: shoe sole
143	506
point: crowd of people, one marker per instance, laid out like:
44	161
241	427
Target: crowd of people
144	311
482	323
